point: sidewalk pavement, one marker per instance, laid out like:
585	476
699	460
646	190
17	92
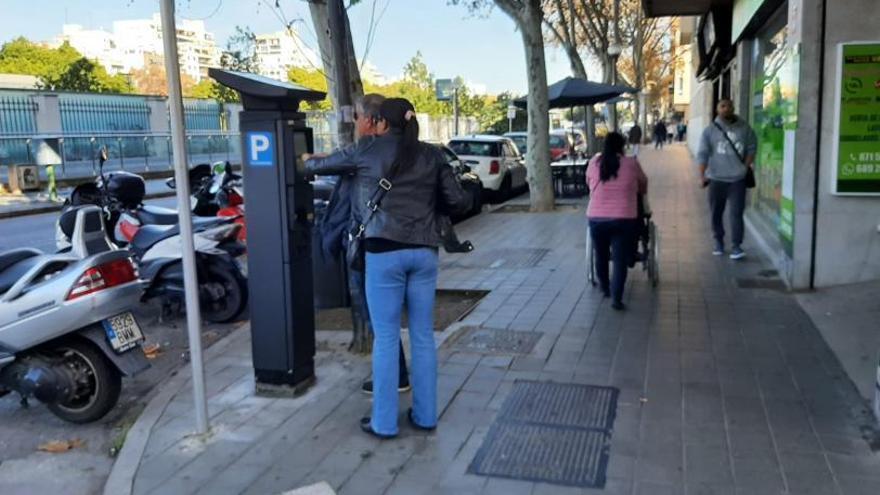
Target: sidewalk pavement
722	389
848	317
34	203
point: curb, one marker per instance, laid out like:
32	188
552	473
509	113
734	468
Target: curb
50	208
121	479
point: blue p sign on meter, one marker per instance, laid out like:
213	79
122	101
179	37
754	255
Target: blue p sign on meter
261	149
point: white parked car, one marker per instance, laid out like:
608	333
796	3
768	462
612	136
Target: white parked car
496	160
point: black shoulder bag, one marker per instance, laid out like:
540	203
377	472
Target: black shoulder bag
750	174
354	255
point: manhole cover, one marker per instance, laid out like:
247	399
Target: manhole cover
551	432
761	283
563	404
493	341
498	258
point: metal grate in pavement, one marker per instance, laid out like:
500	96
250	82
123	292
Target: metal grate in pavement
551	432
493	341
549	454
562	404
498	258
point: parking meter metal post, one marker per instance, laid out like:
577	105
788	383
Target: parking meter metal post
279	213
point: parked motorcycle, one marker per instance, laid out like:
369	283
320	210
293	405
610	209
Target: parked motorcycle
158	249
215	191
66	333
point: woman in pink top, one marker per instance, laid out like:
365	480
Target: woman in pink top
615	181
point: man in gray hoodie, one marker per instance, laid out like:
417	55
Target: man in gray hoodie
727	151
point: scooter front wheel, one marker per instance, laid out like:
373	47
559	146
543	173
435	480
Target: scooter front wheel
98	383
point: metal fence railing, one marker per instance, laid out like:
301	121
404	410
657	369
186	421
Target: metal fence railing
133	152
18	114
103	113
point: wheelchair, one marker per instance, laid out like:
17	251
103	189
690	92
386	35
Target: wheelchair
646	251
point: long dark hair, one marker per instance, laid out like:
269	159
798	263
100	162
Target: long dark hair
609	163
400	115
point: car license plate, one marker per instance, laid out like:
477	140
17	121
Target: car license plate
123	332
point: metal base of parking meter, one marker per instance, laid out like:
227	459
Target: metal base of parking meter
279	214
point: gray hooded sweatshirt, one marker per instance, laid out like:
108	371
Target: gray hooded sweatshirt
716	152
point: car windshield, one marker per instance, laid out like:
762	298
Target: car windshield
558	142
520	142
475	148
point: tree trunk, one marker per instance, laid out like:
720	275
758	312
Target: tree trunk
321	22
362	335
538	158
354	72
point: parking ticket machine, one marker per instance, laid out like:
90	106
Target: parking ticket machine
279	215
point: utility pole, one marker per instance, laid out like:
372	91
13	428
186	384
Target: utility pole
344	110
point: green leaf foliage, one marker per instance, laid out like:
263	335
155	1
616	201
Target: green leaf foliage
59	69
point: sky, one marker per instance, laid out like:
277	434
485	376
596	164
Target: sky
485	50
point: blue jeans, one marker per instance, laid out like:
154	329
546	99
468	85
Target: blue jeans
395	277
613	240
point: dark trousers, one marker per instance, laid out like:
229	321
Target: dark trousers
720	194
613	240
658	142
360	315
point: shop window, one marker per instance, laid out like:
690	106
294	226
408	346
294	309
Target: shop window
773	111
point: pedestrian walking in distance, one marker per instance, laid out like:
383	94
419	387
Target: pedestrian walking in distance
635	138
615	182
725	157
659	134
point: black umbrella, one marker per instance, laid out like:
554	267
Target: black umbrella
571	92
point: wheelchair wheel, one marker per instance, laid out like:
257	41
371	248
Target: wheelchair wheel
652	260
590	258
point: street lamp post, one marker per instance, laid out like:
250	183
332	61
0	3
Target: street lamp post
614	52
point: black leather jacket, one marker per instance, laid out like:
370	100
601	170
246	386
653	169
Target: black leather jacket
420	191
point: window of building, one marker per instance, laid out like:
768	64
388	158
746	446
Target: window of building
772	110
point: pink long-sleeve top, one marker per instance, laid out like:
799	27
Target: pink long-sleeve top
618	197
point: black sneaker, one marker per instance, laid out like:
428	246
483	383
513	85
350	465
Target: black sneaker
619	306
367	387
461	247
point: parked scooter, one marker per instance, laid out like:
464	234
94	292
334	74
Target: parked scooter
216	191
66	333
158	250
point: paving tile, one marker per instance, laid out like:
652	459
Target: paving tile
707	466
500	486
741	394
654	488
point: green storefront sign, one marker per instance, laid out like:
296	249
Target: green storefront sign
857	162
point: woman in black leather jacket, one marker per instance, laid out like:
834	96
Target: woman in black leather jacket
401	241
